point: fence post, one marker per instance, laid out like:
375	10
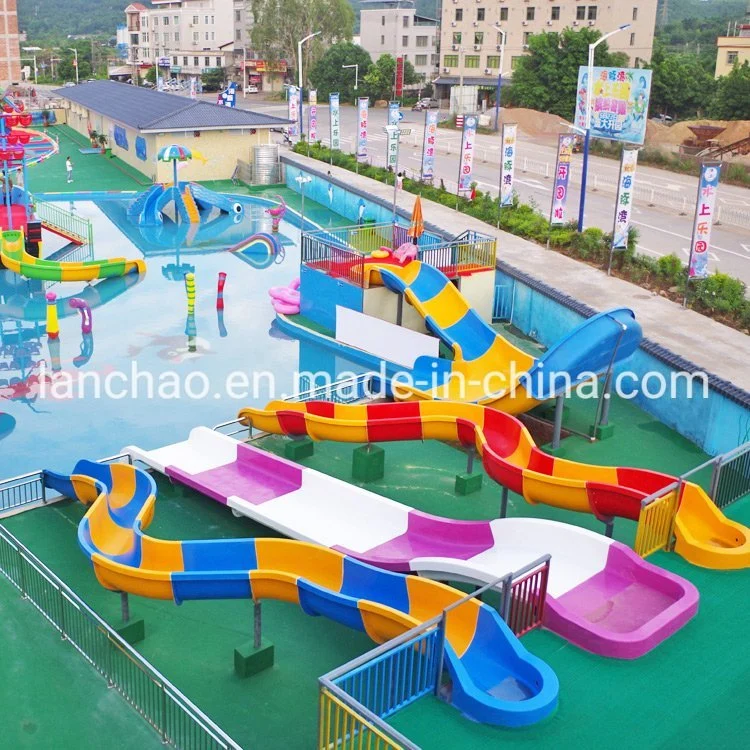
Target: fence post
504	503
651	200
441	654
257	624
559	405
507	597
163	732
715	476
683	210
546	170
63	634
21	575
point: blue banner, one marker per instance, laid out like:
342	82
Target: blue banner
228	97
335	118
293	113
394	114
363	107
428	147
705	208
562	178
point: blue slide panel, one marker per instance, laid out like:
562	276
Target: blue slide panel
219	554
365	581
210	585
316	600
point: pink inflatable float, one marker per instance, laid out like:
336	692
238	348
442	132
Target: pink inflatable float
405	252
286	299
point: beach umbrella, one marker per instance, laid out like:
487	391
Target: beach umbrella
176	153
417	220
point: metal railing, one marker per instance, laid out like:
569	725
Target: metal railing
656	520
179	722
731	476
21	490
503	301
76	227
524	599
339	262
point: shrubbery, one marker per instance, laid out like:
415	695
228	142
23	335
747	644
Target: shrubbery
719	296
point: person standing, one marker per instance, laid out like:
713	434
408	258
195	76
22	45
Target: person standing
69	169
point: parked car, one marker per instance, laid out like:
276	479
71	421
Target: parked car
68	84
577	144
251	89
426	103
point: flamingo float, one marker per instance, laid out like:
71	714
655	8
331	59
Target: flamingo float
277	214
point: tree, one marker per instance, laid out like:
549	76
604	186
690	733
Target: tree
732	98
150	76
213	79
546	79
381	74
680	86
280	24
327	75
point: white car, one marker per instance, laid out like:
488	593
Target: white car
251	89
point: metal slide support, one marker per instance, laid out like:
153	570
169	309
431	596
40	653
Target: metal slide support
125	606
559	404
504	503
607	399
470	459
257	624
400	310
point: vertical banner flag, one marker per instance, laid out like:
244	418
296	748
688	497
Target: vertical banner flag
507	164
160	83
394	115
363	104
293	111
428	148
312	125
392	154
228	97
562	177
467	153
193	88
624	204
399	76
704	218
335	118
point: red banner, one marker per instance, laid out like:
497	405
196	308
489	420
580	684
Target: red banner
399	76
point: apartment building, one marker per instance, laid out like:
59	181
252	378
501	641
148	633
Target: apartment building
734	48
392	27
10	52
470	44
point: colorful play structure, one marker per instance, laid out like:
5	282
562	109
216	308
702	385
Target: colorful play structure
286	299
277	213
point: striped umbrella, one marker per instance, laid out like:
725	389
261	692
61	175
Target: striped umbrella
417	220
174	152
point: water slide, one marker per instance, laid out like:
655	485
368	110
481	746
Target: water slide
486	367
600	594
14	256
191	207
704	535
495	679
189	199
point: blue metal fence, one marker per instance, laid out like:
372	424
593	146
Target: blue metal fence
502	306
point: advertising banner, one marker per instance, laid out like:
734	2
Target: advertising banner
467	153
705	208
293	111
399	76
507	164
428	148
363	106
394	114
619	103
312	125
392	148
335	117
562	178
624	204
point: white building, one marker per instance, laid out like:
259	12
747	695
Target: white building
392	27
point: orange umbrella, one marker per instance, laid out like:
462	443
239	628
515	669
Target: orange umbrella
417	220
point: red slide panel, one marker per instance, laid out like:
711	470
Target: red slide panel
504	473
292	422
607	501
321	408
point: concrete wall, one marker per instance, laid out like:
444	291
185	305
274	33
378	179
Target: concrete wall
383	303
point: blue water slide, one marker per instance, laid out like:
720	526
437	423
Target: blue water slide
207	199
137	208
591	347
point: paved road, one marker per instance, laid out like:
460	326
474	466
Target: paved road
662	228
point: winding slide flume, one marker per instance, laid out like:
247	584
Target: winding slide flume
704	535
495	679
14	256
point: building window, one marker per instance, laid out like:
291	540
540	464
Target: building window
212	20
207	62
205	20
177	36
213	36
382	20
514	61
581	13
165	38
156	20
382	40
456	37
421	41
632	39
526	37
174	60
196	36
404	41
435	60
450	61
218	62
459	14
530	13
184	60
406	22
471	61
732	57
493	61
237	16
592	12
478	37
420	60
165	20
195	62
176	20
406	57
205	34
237	35
480	14
503	14
196	20
555	13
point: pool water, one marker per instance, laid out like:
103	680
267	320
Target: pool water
142	323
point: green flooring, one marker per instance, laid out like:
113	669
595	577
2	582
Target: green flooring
49	696
690	691
90	171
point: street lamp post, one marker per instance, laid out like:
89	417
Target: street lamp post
499	75
587	123
244	72
356	73
299	78
460	81
75	60
33	50
302	180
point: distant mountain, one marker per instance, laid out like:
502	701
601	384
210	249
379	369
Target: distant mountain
55	18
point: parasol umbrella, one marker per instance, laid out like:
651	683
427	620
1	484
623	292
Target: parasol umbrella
175	153
417	220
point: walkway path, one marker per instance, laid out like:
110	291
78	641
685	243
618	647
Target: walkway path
712	346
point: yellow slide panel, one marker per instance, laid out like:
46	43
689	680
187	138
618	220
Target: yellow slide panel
569	494
315	563
274	585
383	623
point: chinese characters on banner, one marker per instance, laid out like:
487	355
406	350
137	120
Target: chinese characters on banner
619	103
393	113
392	146
335	116
312	126
507	164
293	111
228	97
624	204
193	88
399	76
562	177
363	105
428	149
467	153
704	219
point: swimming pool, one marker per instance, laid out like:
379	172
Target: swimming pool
142	323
